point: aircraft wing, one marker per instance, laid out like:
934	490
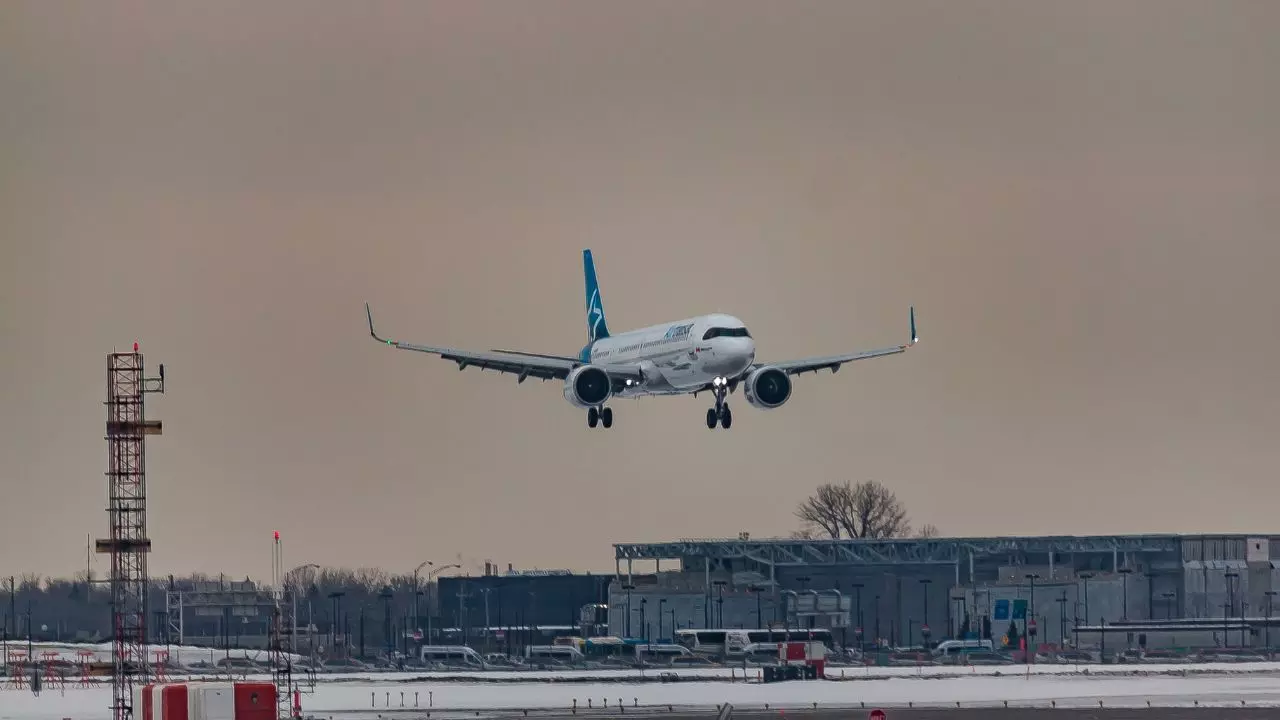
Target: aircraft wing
833	362
523	365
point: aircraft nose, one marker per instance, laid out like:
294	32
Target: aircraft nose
743	349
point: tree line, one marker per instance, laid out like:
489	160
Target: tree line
79	609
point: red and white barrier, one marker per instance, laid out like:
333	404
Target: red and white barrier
804	653
205	701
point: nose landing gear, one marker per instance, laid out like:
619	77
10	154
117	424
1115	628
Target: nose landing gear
720	413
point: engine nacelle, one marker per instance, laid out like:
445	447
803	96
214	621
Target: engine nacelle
587	386
767	388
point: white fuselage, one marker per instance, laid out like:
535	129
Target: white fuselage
681	356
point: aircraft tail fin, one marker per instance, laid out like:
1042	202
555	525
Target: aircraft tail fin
597	328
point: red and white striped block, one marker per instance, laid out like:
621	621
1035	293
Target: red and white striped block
205	701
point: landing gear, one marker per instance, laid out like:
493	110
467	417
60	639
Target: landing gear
603	416
720	413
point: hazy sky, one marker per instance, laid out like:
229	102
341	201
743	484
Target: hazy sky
1080	198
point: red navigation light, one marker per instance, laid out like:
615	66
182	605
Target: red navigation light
135	347
277	534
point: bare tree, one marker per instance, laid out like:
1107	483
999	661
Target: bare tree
866	510
928	531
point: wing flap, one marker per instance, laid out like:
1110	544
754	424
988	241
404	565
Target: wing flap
523	365
833	362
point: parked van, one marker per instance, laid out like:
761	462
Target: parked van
554	654
452	655
954	648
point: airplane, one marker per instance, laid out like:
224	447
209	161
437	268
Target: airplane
708	353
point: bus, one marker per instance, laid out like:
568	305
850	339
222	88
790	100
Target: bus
734	642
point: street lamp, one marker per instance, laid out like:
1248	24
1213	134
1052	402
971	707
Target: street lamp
1062	618
334	624
627	622
1124	610
293	597
1230	606
857	620
719	603
1029	624
430	576
925	632
1085	577
1270	594
417	618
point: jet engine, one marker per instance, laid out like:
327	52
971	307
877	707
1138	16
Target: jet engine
587	386
767	388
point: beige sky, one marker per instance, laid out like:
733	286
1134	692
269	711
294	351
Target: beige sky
1081	199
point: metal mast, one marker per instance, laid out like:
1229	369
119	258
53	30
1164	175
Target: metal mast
128	544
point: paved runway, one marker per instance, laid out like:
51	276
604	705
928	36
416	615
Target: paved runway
891	713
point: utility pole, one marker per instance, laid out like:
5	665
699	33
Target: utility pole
1270	594
1029	625
386	596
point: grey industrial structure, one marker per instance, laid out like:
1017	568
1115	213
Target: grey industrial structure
891	588
1217	589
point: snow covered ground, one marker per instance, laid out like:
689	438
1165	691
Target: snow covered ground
70	652
342	699
344	694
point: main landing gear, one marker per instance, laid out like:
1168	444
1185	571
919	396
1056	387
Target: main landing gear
602	415
720	413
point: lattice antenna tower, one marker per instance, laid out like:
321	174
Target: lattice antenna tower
281	655
128	544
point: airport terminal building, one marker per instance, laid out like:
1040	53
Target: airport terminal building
904	591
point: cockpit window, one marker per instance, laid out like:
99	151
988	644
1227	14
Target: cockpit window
726	332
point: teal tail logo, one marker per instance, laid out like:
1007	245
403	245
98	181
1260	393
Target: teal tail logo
597	328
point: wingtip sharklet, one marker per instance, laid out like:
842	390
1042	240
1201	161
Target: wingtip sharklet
915	338
372	333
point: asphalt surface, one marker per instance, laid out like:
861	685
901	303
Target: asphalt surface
850	713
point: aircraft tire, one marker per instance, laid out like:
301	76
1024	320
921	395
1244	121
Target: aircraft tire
711	418
606	417
593	417
726	417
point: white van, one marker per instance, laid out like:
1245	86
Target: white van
659	654
451	655
952	648
554	654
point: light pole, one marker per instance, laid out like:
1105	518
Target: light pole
417	619
627	622
756	590
1229	576
430	576
334	624
662	605
857	616
1124	610
719	584
1085	577
1270	594
1062	618
293	597
1168	604
925	632
1029	625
